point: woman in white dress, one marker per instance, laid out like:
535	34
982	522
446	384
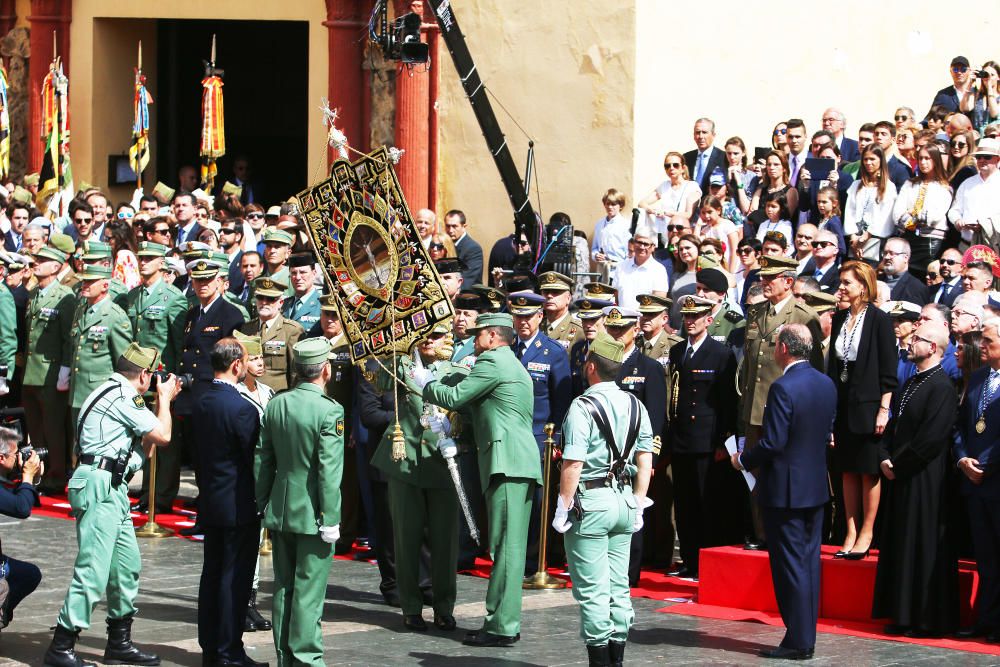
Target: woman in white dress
677	194
868	213
921	208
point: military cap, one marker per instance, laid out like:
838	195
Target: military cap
195	249
713	279
485	320
904	310
524	303
448	265
554	280
64	243
469	300
273	212
301	259
441	328
268	286
328	304
95	272
146	358
252	344
607	347
494	297
31	179
202	269
150	249
707	262
521	281
650	303
272	235
311	351
49	253
12	261
221	259
93	250
820	301
775	265
591	309
616	316
600	291
175	264
695	305
21	195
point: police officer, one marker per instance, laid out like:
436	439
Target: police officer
299	461
607	460
113	420
100	334
277	334
422	497
590	312
48	321
759	369
728	325
304	305
702	416
560	325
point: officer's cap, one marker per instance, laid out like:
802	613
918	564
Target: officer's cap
94	250
146	358
772	265
492	320
616	316
448	265
713	279
553	280
819	301
521	281
600	291
494	297
591	309
49	253
272	235
524	303
268	286
651	303
95	272
695	305
328	304
311	351
195	249
904	310
607	347
221	260
469	300
202	269
251	344
150	249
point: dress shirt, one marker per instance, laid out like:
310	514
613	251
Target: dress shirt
633	279
611	237
863	204
794	165
182	236
946	288
975	201
693	347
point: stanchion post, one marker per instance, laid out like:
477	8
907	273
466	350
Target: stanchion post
265	544
151	528
542	579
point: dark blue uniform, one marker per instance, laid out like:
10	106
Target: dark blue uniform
577	358
548	366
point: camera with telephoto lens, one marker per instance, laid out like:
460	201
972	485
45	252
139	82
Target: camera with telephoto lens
982	74
185	379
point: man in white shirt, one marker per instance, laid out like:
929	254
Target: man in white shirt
641	274
976	209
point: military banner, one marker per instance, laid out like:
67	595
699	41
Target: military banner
389	294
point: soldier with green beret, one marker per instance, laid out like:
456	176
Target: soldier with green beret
298	465
422	498
560	325
277	250
48	321
607	461
277	334
499	394
113	421
728	324
98	253
100	334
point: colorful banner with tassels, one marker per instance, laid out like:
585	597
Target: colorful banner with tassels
213	129
55	174
138	152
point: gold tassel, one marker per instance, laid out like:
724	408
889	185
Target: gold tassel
398	444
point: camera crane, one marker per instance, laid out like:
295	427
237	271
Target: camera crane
400	40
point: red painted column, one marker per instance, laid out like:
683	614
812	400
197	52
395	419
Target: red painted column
49	21
347	22
413	121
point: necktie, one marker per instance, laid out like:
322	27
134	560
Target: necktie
688	356
991	385
245	294
818	274
521	347
795	170
295	308
699	168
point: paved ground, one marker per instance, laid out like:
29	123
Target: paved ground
360	630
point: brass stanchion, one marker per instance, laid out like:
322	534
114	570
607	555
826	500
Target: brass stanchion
151	528
542	579
265	544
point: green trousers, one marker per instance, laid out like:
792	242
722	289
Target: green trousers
301	569
597	550
108	556
415	510
508	505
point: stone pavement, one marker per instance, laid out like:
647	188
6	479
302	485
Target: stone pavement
361	630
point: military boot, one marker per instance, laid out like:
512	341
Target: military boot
598	656
120	649
616	653
61	653
254	616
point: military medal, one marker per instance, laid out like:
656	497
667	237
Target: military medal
981	425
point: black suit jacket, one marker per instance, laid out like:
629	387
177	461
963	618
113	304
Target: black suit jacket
899	172
849	150
200	334
226	426
949	298
706	397
376	411
874	371
236	280
644	378
471	254
717	158
192	236
830	280
8	242
910	288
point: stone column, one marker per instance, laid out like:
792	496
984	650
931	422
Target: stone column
49	28
15	48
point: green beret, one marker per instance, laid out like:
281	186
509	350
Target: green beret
146	358
95	272
311	351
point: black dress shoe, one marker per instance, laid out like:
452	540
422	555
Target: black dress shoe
751	545
484	638
191	531
841	554
782	653
444	622
391	598
973	632
680	572
415	622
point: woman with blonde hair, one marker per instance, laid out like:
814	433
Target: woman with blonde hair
677	194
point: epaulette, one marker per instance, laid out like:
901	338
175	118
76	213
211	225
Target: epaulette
733	316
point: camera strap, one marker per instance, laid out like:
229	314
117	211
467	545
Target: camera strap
86	412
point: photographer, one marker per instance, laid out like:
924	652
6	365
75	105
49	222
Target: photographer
983	105
21	578
113	421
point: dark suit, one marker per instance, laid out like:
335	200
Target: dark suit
983	499
899	172
190	236
471	254
790	465
910	288
849	150
716	158
228	515
829	281
502	255
548	366
9	244
946	294
705	416
236	280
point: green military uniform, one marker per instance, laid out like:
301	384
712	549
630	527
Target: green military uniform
98	251
48	322
157	315
304	309
278	337
113	422
100	334
567	330
8	325
421	496
499	394
298	464
728	326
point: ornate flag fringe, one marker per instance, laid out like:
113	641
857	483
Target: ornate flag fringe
55	174
138	152
213	129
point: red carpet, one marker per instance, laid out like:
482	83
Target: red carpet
178	519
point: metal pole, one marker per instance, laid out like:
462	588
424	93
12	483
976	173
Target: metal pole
151	528
542	579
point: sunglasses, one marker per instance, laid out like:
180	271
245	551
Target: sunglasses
161	231
822	244
227	230
959	144
932	276
125	215
255	216
902	118
671	165
676	228
959	69
265	299
744	251
783	130
523	242
643	244
951	262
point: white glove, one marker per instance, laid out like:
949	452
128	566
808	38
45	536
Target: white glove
447	448
4	389
62	384
421	376
440	424
136	196
640	505
561	522
329	534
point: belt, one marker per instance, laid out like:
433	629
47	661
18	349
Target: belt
595	484
99	462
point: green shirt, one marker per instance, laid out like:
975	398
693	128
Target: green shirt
48	323
582	440
117	419
8	330
100	334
